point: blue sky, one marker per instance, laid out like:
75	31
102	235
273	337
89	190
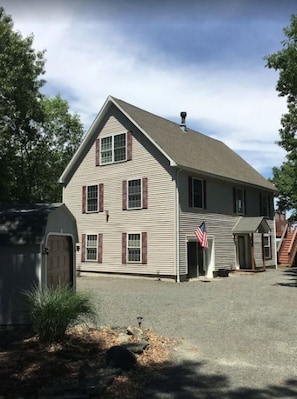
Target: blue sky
204	57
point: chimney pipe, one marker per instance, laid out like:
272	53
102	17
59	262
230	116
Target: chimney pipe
183	115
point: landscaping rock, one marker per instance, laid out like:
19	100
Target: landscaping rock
135	331
118	356
123	338
136	347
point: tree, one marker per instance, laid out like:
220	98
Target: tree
285	62
38	135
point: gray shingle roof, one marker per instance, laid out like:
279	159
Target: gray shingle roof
251	225
194	150
24	224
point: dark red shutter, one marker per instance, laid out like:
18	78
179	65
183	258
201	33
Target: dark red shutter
124	248
190	188
100	247
84	198
144	193
129	146
101	197
124	194
97	151
83	247
144	247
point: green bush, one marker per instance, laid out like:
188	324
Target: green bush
53	310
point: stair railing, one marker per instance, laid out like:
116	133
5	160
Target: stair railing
292	248
283	237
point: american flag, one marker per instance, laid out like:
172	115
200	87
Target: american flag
201	235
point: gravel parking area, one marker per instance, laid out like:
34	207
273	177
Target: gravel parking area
237	335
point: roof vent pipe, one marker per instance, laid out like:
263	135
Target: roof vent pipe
183	121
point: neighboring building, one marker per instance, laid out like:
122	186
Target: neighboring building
37	248
140	185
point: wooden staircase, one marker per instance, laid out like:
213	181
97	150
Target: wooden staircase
287	247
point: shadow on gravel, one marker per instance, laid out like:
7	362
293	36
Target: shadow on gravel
187	380
292	278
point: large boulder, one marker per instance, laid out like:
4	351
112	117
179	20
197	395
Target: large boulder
118	356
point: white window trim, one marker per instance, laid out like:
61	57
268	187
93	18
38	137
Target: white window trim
112	149
86	252
141	193
267	246
243	201
193	195
127	247
91	185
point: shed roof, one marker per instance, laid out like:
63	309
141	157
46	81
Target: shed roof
185	149
255	224
24	224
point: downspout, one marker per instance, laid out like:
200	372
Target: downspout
177	212
275	246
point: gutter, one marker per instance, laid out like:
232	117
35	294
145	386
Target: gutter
177	212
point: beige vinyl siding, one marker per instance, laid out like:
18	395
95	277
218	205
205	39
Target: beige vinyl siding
158	220
219	217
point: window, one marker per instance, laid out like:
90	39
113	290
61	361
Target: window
134	248
135	194
239	201
267	246
265	205
92	198
197	193
91	247
113	148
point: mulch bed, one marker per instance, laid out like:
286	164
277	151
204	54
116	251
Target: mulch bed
26	365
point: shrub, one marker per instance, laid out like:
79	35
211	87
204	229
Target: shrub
53	310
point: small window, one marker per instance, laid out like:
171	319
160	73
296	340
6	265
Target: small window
239	201
134	248
267	246
197	192
92	198
113	148
91	247
134	194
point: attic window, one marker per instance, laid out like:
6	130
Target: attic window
113	149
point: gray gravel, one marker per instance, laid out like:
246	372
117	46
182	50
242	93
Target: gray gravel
237	335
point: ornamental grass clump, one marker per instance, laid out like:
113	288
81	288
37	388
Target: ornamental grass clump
53	310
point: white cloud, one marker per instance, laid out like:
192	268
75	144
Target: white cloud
89	61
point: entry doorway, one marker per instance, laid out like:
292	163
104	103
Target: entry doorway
244	252
195	259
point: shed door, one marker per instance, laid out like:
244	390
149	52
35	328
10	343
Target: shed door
59	261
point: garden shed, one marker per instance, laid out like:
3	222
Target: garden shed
37	248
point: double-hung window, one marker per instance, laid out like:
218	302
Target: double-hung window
197	193
91	247
134	194
92	198
239	201
134	248
267	246
113	149
265	205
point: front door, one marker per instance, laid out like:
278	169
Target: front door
244	252
195	260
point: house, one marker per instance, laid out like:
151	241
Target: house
139	186
37	248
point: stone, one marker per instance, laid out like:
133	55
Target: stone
123	338
118	356
135	331
136	347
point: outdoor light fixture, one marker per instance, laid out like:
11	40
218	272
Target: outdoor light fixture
77	247
139	319
107	214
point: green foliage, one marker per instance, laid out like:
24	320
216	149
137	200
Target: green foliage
285	62
53	310
38	135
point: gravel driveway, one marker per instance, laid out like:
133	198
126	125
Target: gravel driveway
237	334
